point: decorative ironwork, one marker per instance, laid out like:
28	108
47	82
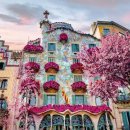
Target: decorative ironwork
57	120
77	120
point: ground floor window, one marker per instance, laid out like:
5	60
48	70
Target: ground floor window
126	120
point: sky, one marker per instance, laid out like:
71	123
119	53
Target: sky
19	19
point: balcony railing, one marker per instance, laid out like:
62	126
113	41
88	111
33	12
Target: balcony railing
125	98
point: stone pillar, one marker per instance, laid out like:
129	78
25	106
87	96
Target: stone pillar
107	123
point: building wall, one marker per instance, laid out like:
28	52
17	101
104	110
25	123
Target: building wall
113	29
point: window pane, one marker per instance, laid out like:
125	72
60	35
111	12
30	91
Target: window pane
51	99
3	83
98	101
51	47
75	47
32	59
51	59
106	31
2	65
92	45
51	77
75	60
77	78
79	99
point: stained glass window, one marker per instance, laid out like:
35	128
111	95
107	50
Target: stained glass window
102	124
45	123
88	123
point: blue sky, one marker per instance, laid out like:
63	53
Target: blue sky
19	20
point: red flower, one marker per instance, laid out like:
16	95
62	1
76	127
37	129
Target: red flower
79	85
32	67
63	37
52	65
72	108
76	66
51	84
33	48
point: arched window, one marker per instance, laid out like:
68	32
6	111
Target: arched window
102	124
45	123
57	122
4	84
3	104
77	122
88	123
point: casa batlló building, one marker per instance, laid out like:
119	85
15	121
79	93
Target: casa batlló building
51	92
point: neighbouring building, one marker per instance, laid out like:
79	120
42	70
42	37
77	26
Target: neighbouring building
121	108
9	65
102	28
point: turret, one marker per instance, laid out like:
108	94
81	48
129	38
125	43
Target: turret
45	24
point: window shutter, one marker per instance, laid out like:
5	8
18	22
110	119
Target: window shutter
125	120
73	99
45	99
85	99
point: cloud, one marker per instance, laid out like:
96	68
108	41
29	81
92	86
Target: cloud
126	18
101	3
23	14
9	18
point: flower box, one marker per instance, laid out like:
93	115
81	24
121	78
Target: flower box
51	67
32	67
77	68
51	86
79	87
63	37
31	48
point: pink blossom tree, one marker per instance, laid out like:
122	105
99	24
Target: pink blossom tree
110	62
